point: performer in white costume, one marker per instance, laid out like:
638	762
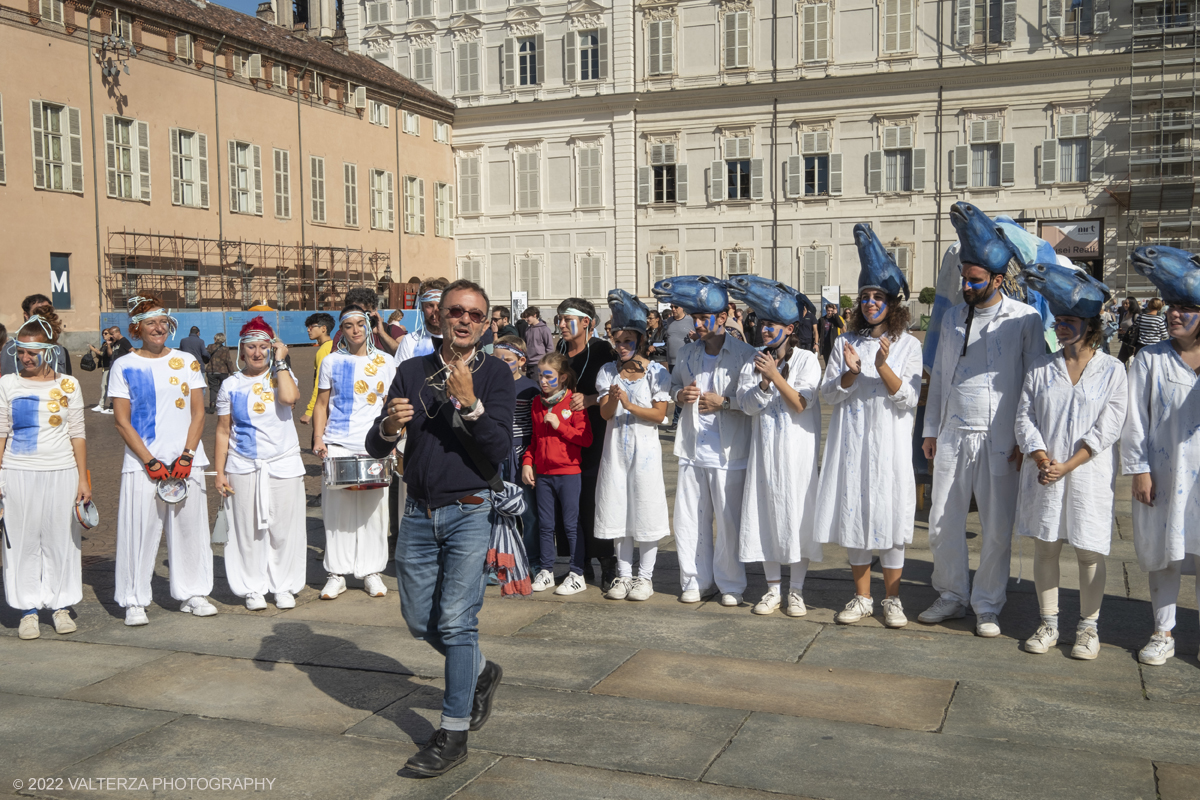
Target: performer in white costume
43	474
1160	447
419	341
160	415
631	497
985	348
777	388
260	473
351	388
1069	417
867	495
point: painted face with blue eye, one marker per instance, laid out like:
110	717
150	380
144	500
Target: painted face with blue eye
626	344
1183	321
1069	330
975	286
874	306
773	334
705	323
549	380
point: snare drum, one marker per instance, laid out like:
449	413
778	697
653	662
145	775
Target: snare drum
358	472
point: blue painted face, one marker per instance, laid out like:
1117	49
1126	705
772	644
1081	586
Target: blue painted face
549	381
705	323
1069	330
976	286
626	344
773	334
1183	321
874	307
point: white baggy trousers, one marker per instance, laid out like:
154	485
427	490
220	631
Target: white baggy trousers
960	469
271	559
141	521
42	556
708	497
356	528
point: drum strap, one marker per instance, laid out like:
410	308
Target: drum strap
486	470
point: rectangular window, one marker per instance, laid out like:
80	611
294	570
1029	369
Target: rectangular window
441	132
245	178
52	11
412	123
661	47
816	175
591	191
57	147
443	217
471	269
1078	20
985	165
283	184
591	276
527	61
814	29
1073	161
379	114
120	140
467	73
897	170
238	64
189	168
988	21
379	12
737	39
422	65
737	180
350	193
383	201
897	26
589	56
816	268
316	174
414	205
183	47
662	266
421	8
461	6
737	262
529	195
529	276
122	25
468	185
278	75
664	183
743	174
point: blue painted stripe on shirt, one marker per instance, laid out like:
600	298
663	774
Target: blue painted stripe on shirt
341	397
25	425
245	435
143	402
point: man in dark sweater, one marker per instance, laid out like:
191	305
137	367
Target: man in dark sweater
444	535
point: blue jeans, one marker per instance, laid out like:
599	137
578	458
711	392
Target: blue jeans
559	493
439	564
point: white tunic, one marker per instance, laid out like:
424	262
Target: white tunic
159	391
358	387
781	473
1054	416
867	495
1160	438
631	498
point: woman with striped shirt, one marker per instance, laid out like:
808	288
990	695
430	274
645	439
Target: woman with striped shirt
1151	325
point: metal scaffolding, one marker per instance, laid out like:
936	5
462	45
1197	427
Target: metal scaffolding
191	273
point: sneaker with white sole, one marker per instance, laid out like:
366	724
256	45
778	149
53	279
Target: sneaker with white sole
373	585
619	589
1042	640
285	600
63	622
642	589
768	605
893	613
107	411
1087	642
943	608
199	606
255	602
731	599
690	596
1156	652
858	608
136	615
574	584
795	605
543	580
29	628
97	408
987	625
333	587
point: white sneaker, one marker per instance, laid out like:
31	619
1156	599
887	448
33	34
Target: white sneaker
1158	650
795	606
373	585
619	589
1087	642
199	607
63	622
107	411
943	608
285	600
543	580
731	599
255	602
893	613
136	615
987	625
97	408
690	596
642	589
769	603
333	587
1042	640
574	584
29	628
856	609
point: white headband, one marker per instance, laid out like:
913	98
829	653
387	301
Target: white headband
575	312
173	323
356	314
431	296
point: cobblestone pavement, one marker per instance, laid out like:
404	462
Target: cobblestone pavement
600	699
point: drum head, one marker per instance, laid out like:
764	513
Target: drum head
87	514
172	490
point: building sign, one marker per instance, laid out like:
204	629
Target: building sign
520	301
60	280
830	294
1078	241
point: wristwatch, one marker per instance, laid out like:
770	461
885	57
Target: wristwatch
725	404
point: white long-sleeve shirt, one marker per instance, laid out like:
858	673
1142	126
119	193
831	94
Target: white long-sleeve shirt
39	419
733	426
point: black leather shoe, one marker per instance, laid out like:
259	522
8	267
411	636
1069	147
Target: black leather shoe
445	751
485	692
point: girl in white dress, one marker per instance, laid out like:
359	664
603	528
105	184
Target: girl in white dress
1069	416
260	473
43	474
631	497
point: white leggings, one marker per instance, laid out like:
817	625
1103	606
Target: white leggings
1164	591
891	558
648	552
1092	573
774	572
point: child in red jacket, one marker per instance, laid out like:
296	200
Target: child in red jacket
554	454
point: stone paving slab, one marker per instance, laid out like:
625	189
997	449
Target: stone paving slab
39	736
799	690
191	747
556	665
1049	718
497	617
644	736
1177	681
844	761
52	668
529	779
775	637
1177	781
918	651
288	695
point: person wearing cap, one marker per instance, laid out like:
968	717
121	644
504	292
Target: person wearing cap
987	344
631	496
260	473
1158	443
712	445
867	496
1070	415
777	388
161	418
43	475
420	341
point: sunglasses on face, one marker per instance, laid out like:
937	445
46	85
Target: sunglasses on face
456	312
